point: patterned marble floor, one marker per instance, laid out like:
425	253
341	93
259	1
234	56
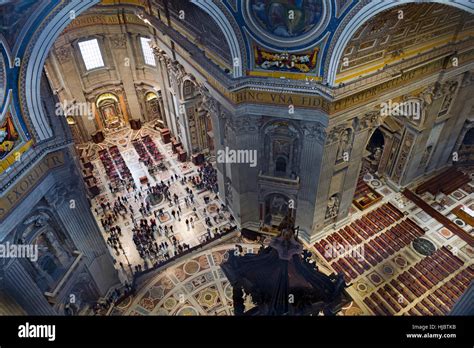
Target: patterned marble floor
195	286
192	235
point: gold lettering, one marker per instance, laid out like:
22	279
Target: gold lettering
32	178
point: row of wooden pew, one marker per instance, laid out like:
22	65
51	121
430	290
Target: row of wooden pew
419	279
446	182
378	249
363	252
443	299
364	195
360	230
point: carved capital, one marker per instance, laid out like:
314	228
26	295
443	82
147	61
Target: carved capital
159	53
245	125
369	120
63	54
118	41
335	134
315	130
57	196
39	220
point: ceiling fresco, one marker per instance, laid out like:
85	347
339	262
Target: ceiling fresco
287	18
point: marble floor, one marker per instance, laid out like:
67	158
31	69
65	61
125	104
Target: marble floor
192	234
195	286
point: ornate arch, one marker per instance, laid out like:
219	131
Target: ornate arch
282	143
33	63
360	15
228	30
188	80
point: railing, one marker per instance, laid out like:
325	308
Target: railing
279	180
138	275
65	277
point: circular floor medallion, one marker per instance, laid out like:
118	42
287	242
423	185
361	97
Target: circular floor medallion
376	183
401	261
446	233
424	246
170	303
155	199
187	311
191	267
368	177
375	278
388	270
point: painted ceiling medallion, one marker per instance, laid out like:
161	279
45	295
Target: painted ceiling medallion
292	22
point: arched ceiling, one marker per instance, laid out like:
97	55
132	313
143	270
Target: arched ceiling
306	38
201	27
401	33
14	15
362	12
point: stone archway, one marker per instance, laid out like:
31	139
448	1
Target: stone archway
374	151
110	111
154	109
466	150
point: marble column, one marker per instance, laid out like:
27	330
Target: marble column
167	111
23	288
124	63
79	224
312	153
244	176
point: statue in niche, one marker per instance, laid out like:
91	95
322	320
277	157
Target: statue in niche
333	207
378	154
59	250
279	205
344	144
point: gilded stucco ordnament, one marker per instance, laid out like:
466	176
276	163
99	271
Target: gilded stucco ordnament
360	15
